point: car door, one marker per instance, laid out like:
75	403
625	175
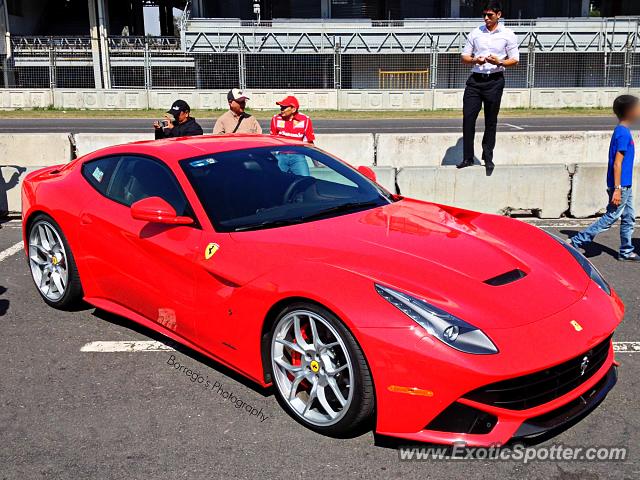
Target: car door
146	267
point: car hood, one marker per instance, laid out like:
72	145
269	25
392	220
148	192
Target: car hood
441	254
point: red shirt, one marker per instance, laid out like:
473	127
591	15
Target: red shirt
298	127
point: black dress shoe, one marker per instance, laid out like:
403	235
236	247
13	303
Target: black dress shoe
465	163
489	164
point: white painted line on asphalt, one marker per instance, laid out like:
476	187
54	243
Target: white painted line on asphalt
10	251
626	347
126	346
512	126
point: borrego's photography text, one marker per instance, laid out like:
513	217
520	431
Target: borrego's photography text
359	238
217	388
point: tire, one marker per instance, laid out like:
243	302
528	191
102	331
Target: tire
310	376
53	268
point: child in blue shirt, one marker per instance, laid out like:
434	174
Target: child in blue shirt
619	182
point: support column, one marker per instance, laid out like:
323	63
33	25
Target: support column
455	9
96	59
99	44
585	8
103	32
5	48
325	9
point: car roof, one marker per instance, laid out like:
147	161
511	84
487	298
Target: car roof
172	150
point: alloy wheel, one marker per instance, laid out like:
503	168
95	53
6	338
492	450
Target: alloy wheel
312	368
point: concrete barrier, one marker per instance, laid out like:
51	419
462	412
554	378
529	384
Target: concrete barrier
34	149
512	148
411	161
90	142
386	177
321	99
589	190
540	189
574	98
357	148
23	153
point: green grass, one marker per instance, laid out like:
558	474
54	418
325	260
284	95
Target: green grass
315	114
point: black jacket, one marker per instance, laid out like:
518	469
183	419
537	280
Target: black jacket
186	129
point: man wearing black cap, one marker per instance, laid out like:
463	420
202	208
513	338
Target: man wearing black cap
236	120
179	123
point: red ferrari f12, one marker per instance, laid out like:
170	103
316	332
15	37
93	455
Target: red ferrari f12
362	308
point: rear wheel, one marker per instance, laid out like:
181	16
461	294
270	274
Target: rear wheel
53	268
319	371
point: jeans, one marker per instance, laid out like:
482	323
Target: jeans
477	93
627	215
293	163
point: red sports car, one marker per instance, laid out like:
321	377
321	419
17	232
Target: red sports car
360	307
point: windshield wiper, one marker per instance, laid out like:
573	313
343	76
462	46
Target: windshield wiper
268	224
345	207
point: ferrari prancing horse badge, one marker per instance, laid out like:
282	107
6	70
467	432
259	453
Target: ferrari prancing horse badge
210	251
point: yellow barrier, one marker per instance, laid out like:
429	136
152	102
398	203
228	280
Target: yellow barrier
403	79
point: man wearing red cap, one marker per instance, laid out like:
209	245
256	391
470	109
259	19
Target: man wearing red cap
291	123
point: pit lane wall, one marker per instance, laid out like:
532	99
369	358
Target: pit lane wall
549	174
432	99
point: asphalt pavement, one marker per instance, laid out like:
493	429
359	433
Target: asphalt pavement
401	125
67	413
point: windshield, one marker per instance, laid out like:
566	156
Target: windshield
270	187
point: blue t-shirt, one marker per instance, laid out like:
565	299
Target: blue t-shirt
621	141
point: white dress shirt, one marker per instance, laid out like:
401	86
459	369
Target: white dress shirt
502	43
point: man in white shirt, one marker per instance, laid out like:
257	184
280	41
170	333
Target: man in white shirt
490	48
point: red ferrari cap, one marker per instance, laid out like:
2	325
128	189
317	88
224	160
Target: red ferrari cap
290	101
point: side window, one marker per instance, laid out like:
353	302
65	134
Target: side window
138	177
99	172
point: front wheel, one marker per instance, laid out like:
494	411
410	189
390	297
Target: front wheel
53	267
319	371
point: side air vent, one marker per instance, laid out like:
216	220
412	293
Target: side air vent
505	278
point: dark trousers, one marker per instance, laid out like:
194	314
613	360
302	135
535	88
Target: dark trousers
481	90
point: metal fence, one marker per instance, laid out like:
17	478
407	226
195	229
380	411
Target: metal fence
160	63
48	62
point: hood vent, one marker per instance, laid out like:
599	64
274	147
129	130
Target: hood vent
505	278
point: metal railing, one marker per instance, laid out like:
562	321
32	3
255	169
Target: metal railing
398	55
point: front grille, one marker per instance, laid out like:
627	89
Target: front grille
541	387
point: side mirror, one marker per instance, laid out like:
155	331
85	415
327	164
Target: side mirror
157	210
368	172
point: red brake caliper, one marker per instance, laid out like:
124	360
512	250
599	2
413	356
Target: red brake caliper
296	359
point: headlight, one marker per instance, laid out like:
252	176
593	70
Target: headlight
445	327
586	265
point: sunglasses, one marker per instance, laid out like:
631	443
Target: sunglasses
490	15
284	107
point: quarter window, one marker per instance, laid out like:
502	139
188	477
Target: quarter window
138	177
99	172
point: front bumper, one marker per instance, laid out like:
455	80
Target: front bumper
498	426
450	377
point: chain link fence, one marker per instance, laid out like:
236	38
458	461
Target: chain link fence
159	63
48	62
